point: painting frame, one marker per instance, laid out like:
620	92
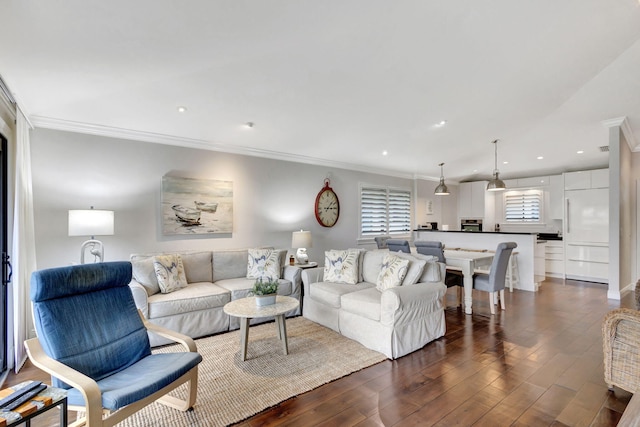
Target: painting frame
193	206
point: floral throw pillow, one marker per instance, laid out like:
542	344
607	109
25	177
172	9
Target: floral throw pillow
263	264
393	271
169	272
341	266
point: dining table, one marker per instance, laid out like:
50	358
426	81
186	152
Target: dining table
467	262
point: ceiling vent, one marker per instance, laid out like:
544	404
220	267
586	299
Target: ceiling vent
604	149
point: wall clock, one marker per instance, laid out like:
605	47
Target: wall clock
327	206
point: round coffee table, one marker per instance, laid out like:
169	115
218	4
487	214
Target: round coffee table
246	309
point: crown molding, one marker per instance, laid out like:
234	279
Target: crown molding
157	138
623	124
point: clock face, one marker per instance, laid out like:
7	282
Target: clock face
327	207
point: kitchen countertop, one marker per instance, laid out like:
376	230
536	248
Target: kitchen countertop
475	232
542	237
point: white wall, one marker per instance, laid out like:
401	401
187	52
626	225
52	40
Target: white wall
272	198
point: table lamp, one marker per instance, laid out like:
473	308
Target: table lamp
301	240
91	222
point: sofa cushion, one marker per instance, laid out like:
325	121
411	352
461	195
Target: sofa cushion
341	266
263	264
431	271
365	303
145	274
240	287
196	296
392	272
330	293
229	264
197	266
169	272
414	270
372	263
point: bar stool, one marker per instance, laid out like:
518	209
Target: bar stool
513	276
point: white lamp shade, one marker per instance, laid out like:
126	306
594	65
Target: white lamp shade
90	222
301	239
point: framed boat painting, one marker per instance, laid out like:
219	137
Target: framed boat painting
196	206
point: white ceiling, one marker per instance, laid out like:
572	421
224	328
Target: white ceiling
337	82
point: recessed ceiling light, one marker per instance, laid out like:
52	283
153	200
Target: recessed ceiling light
441	123
182	109
249	125
505	163
475	170
580	151
539	157
385	152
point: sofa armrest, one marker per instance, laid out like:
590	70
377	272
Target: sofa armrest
140	297
294	275
403	304
311	275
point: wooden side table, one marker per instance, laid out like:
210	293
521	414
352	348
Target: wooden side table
49	398
307	265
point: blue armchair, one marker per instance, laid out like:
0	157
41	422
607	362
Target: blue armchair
94	342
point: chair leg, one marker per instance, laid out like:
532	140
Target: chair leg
491	302
502	305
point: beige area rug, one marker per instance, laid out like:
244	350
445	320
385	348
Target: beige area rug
230	390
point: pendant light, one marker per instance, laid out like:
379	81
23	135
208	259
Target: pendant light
441	189
496	184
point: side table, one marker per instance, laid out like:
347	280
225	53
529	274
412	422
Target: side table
307	265
49	398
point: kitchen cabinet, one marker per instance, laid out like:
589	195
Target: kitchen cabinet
600	178
554	258
531	182
556	196
472	200
582	180
539	267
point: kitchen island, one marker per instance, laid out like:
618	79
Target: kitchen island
528	248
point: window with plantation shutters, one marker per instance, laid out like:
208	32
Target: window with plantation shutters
523	206
384	211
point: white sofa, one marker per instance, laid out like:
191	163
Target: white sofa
394	321
214	278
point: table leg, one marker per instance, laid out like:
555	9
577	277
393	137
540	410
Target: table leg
467	277
63	413
282	328
244	337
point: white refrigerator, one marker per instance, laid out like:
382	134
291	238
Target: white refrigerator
586	234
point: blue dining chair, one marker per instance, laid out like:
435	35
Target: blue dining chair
495	280
93	341
453	276
397	245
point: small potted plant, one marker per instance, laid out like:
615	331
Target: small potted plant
265	291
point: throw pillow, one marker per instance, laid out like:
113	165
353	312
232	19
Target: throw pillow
144	273
341	266
169	272
431	271
393	271
414	270
263	264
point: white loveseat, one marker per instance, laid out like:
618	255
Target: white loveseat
395	321
214	278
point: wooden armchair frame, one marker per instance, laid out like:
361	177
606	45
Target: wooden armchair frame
95	414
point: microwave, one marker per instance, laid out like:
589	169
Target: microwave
471	225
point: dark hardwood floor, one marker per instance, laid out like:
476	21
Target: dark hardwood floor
538	363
